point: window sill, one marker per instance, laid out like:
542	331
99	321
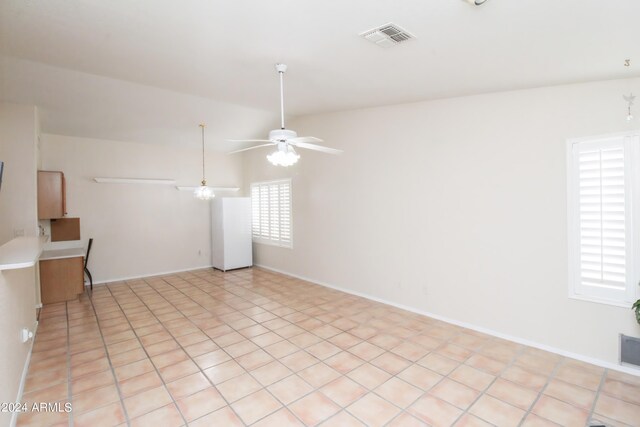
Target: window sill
622	304
276	244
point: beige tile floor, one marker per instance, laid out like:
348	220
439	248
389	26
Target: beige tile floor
252	347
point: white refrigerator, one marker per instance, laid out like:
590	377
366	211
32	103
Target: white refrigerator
231	233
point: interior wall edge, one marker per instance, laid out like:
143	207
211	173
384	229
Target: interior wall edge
23	377
494	333
149	275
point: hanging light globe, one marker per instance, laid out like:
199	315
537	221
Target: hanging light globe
285	155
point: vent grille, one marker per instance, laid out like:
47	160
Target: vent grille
629	350
387	35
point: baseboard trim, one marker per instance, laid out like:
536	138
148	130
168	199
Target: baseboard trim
163	273
523	341
23	377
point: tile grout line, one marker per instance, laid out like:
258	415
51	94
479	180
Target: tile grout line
507	366
233	358
248	372
597	395
203	332
248	339
111	368
182	347
276	295
460	363
69	390
404	340
150	360
550	378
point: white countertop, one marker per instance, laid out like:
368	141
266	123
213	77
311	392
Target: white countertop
62	253
21	252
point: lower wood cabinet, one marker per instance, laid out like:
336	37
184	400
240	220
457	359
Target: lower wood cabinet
61	279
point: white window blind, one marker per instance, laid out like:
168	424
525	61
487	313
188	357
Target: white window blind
602	180
271	212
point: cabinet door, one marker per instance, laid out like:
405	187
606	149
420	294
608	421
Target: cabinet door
61	279
51	195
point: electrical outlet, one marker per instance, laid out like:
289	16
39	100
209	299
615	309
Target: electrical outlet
26	335
425	290
18	232
199	252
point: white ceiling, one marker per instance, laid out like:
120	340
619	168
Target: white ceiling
225	51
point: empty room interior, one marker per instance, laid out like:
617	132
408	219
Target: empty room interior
301	213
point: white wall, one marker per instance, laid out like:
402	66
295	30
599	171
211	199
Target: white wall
455	207
17	310
138	229
18	206
17	212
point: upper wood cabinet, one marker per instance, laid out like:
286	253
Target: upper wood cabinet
51	195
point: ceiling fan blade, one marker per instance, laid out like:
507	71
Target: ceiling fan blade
310	139
248	140
251	148
316	147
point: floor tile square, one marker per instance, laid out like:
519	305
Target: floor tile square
497	412
147	401
369	376
399	392
314	408
256	406
271	373
434	411
373	410
390	363
188	385
200	403
238	387
319	374
343	391
290	389
455	393
420	377
472	377
560	412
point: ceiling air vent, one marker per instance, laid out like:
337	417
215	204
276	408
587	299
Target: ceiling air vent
387	35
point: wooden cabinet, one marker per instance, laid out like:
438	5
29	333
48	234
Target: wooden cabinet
61	279
51	195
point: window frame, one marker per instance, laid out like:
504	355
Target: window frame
631	143
269	241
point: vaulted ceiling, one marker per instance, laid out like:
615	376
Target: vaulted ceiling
165	64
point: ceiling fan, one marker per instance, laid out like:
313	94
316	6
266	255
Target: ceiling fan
285	139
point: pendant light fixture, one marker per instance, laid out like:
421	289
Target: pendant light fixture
203	192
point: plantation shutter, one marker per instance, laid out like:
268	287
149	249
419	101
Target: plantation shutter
602	185
271	210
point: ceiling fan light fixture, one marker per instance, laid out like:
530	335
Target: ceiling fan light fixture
476	2
282	134
285	155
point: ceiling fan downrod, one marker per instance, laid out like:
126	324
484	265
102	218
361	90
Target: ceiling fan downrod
281	68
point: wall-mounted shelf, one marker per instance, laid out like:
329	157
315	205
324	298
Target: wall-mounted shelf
135	181
215	189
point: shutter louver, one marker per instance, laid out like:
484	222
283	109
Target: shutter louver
271	210
602	218
602	177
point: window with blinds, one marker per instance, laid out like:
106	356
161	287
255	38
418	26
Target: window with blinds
271	212
602	179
